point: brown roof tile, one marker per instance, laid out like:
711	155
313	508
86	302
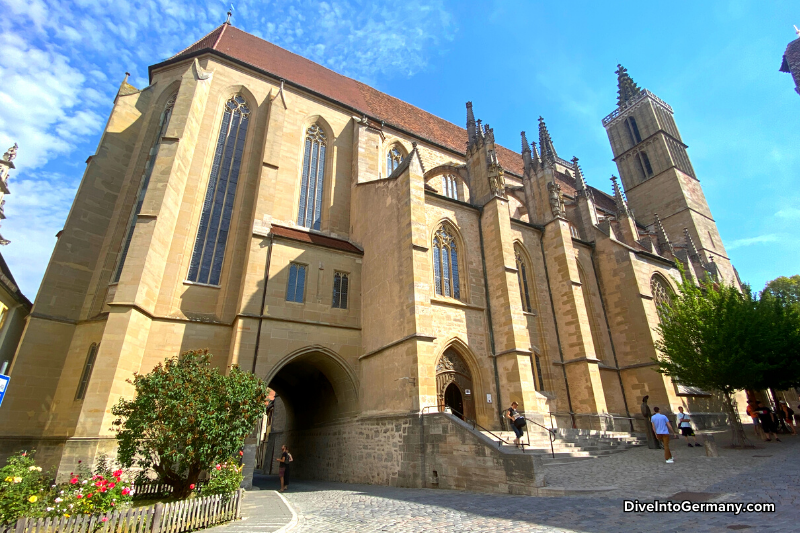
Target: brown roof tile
275	60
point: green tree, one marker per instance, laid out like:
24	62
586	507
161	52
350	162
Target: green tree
708	338
186	417
786	289
779	351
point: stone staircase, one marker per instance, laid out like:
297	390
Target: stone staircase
569	445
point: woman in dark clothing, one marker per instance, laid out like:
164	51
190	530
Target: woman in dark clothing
512	414
283	471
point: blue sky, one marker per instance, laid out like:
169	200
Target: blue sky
715	63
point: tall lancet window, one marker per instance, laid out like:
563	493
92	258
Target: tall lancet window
148	171
449	188
215	221
309	213
522	277
393	160
445	263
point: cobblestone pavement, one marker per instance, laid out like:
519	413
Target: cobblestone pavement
770	473
263	511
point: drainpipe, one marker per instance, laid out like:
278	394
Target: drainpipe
558	337
611	338
263	298
489	318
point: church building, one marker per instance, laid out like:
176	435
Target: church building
373	263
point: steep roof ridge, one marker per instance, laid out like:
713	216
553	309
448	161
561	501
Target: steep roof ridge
206	38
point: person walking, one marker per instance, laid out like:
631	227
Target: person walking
685	425
283	471
767	419
663	430
786	414
751	412
512	414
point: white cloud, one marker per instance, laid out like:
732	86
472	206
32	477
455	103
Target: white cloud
749	241
789	213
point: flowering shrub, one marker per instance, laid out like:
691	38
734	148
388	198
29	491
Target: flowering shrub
25	491
23	488
225	478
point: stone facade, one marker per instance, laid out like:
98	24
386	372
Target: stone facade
539	286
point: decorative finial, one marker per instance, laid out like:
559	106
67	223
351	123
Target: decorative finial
525	147
230	12
627	89
664	243
796	30
11	153
619	200
546	143
580	183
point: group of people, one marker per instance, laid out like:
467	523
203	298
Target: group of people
662	428
767	423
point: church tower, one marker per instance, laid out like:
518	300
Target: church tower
657	175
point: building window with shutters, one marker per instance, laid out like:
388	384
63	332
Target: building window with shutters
340	289
83	384
215	220
295	289
148	171
309	213
445	263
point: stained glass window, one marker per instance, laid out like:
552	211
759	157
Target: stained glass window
340	283
393	160
445	264
295	289
148	171
309	212
522	277
215	220
83	385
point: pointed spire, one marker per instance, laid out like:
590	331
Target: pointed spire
546	143
619	200
525	146
479	128
580	183
627	87
664	243
690	247
526	152
470	123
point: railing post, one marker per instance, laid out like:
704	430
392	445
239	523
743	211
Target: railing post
239	496
157	512
21	523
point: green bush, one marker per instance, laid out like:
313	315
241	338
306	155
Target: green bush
225	478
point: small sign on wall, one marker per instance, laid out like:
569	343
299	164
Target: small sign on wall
488	398
3	385
467	392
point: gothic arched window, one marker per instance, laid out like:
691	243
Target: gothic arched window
445	263
449	186
662	295
310	211
148	171
393	159
633	130
215	220
86	375
522	277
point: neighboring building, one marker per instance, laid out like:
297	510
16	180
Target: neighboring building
367	259
791	61
14	307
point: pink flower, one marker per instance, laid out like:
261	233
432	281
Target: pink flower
104	519
24	454
126	491
117	473
79	496
89	495
112	485
73	480
191	487
218	467
241	453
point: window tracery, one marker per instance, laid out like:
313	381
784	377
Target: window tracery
215	221
522	277
445	263
450	186
662	295
393	159
309	212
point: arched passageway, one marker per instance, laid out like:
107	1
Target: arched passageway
454	385
318	391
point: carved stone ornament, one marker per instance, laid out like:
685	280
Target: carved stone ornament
200	73
11	153
556	200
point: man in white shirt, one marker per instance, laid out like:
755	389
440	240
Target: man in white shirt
663	430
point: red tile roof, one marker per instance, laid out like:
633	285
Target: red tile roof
314	238
281	63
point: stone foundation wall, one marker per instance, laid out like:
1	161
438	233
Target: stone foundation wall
406	450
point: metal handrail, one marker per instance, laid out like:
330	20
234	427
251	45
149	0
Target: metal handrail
501	440
599	415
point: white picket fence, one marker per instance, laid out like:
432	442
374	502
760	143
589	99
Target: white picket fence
174	517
